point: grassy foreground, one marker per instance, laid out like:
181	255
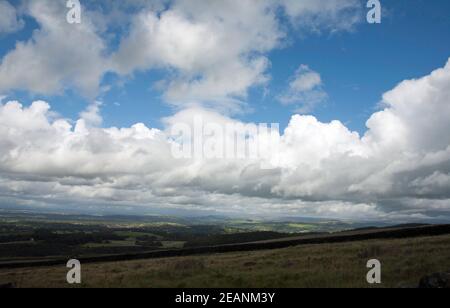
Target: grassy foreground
404	262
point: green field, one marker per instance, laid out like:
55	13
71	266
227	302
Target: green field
35	236
343	265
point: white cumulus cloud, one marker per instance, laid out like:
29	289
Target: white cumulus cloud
305	90
59	55
9	18
212	52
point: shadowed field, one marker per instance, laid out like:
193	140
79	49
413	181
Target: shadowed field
404	262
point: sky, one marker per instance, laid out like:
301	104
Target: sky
88	109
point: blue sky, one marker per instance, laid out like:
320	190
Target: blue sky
73	96
357	67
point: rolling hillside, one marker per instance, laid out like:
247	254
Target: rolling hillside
404	262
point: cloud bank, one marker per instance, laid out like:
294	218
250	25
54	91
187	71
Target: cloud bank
399	169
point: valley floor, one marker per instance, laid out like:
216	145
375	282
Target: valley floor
404	262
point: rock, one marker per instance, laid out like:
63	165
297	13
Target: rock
7	286
436	281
